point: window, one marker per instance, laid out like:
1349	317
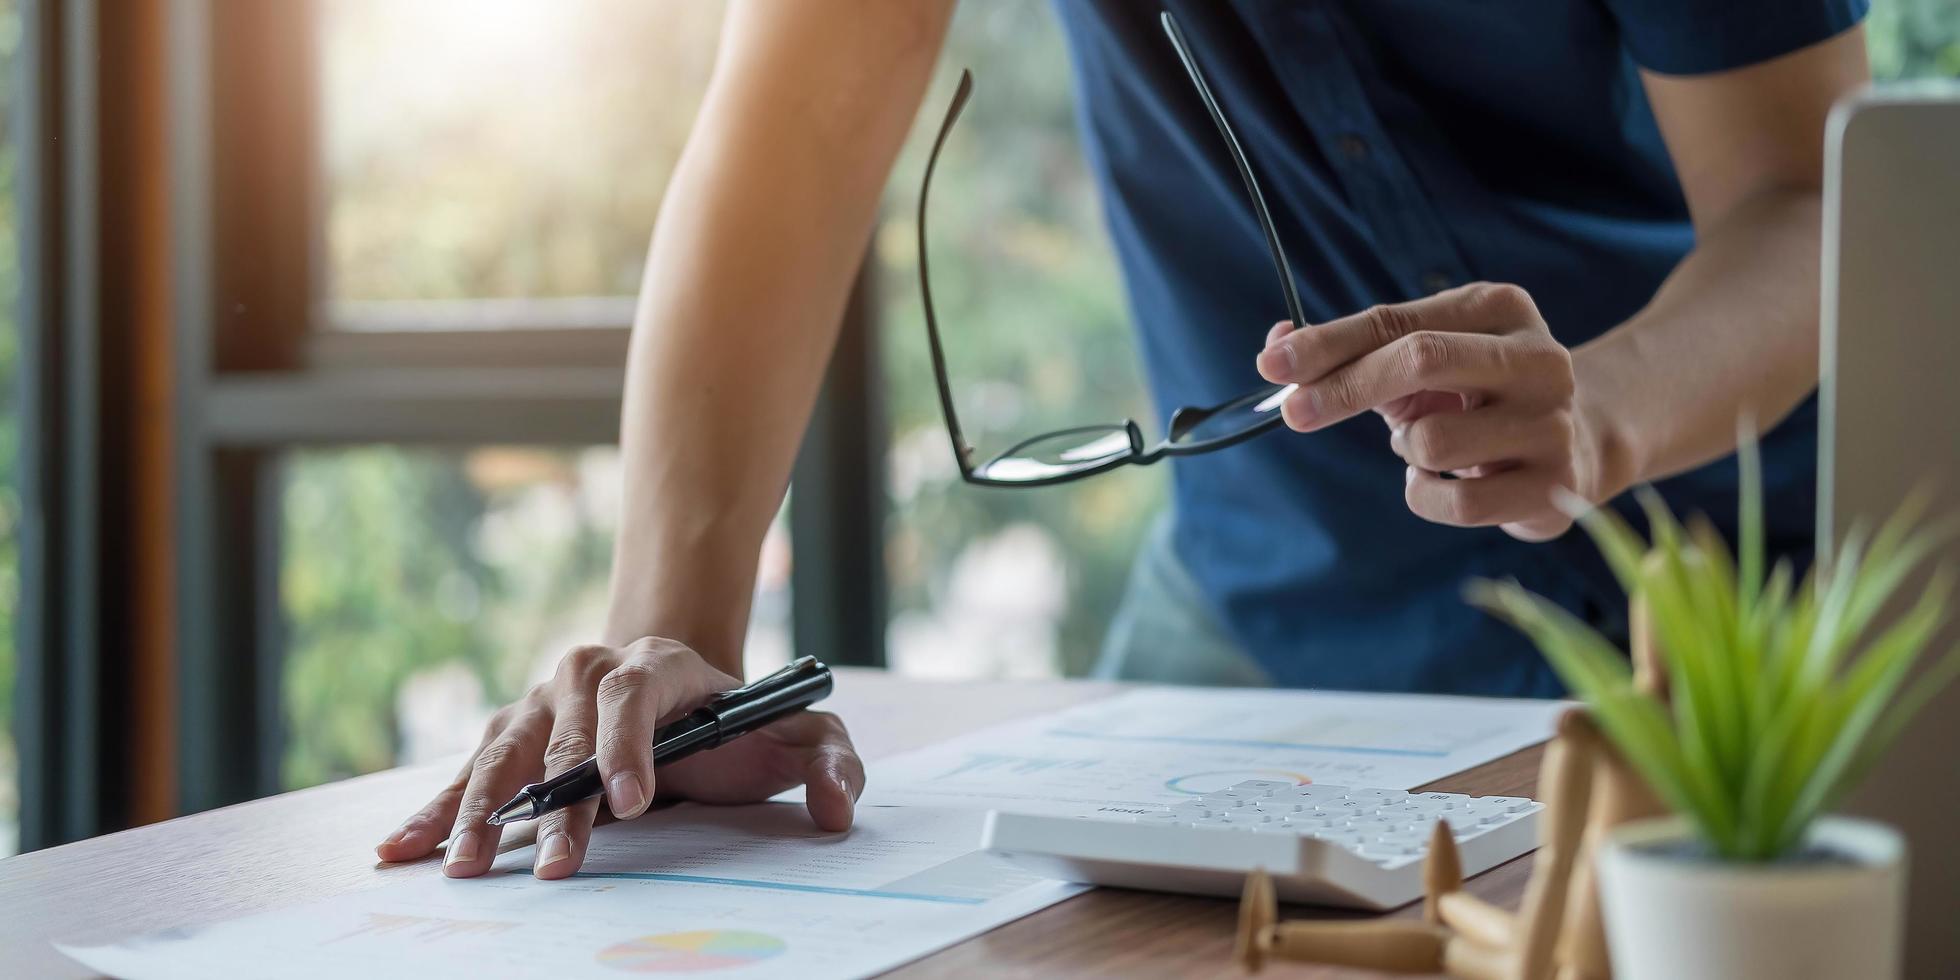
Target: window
522	152
424	588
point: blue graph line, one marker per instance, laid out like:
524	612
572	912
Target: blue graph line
777	885
1246	743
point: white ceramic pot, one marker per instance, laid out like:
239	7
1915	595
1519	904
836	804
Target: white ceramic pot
1676	917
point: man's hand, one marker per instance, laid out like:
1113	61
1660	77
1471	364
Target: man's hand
608	701
1480	401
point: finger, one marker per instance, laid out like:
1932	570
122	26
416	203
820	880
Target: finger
563	834
419	834
827	765
502	767
1277	331
1304	355
1512	495
657	679
1418	362
422	832
1450	441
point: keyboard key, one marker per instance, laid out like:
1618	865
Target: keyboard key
1509	804
1226	800
1277	827
1374	794
1402	809
1242	794
1313	791
1345	805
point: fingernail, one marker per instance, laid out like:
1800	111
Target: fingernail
1276	362
844	787
462	849
556	848
625	796
402	833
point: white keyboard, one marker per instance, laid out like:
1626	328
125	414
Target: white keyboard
1325	845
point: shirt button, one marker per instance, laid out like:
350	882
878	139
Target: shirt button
1353	147
1436	282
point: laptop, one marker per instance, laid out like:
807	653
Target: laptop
1890	422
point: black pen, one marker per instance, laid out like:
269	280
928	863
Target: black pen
728	715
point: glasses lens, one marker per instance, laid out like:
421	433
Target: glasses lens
1234	418
1059	454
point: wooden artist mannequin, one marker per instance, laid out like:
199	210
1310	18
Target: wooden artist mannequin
1556	934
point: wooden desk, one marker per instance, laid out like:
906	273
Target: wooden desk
307	845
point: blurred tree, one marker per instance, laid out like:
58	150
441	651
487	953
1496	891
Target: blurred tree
1914	38
1036	330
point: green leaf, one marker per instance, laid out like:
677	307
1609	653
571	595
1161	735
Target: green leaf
1859	704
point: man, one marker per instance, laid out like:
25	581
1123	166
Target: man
1583	237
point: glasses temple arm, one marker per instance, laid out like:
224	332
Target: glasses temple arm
1245	169
962	452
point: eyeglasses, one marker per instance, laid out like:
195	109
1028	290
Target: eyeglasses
1084	451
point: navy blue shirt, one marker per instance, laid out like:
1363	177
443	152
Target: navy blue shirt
1404	146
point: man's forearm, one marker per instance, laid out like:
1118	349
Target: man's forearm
760	234
1731	334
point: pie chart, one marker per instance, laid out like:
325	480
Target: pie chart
699	951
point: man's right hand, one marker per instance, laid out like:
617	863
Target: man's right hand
608	701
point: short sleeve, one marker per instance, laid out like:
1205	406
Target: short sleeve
1695	37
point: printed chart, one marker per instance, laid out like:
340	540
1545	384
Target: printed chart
1164	745
699	951
742	893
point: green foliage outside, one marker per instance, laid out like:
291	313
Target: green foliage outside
1914	39
1780	694
385	575
1033	315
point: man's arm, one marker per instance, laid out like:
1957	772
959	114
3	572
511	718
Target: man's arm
1732	333
761	231
1473	385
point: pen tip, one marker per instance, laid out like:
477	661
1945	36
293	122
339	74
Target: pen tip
520	808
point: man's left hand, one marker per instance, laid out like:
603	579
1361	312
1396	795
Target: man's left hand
1480	401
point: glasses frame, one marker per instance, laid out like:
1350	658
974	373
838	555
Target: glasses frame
1182	420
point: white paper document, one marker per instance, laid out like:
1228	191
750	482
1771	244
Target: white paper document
1166	745
737	892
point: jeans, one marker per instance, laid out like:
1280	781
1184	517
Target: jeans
1165	632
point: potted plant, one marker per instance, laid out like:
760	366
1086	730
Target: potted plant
1781	694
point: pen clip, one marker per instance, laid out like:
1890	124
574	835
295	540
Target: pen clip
800	665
